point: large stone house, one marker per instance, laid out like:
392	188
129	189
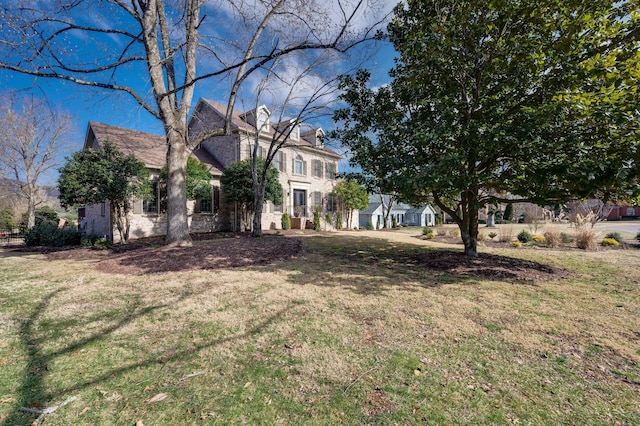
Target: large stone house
307	172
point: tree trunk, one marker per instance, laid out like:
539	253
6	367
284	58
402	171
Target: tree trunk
177	225
386	211
469	223
466	217
31	212
491	220
259	187
120	215
257	213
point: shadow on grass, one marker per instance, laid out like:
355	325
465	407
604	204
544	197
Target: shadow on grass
364	264
32	392
373	265
231	252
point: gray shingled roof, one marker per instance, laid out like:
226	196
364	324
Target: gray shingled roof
237	122
375	203
149	148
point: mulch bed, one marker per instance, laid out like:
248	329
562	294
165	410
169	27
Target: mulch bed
486	265
234	250
231	251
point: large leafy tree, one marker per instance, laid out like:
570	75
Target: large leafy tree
376	170
93	176
159	51
238	185
534	99
352	196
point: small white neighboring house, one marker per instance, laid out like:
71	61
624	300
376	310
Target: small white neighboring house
404	214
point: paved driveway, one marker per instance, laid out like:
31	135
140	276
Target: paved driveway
632	227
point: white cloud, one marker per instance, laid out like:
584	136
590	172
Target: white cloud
289	87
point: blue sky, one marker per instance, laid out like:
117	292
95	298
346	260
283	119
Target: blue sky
120	109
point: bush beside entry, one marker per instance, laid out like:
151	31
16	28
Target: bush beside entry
286	221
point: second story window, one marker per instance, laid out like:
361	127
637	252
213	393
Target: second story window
332	171
279	161
260	151
299	166
317	168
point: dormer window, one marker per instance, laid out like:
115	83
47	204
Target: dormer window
290	129
295	133
319	140
314	136
263	120
259	118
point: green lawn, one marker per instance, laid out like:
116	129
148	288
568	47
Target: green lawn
348	333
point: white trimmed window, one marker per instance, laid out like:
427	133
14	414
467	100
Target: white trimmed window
295	133
262	121
299	166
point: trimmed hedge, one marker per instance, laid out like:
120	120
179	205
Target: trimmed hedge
50	235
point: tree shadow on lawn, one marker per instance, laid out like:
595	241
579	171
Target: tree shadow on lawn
363	263
372	265
32	392
222	251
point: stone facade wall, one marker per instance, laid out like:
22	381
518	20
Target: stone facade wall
223	148
271	219
97	220
155	225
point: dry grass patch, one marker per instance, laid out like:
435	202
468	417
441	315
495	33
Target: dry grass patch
587	239
355	330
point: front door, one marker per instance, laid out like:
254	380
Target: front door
300	202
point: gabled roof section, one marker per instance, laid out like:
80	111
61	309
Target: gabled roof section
315	136
221	109
421	209
258	118
239	122
149	148
213	165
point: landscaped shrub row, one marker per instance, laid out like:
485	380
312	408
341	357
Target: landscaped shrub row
97	241
51	236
